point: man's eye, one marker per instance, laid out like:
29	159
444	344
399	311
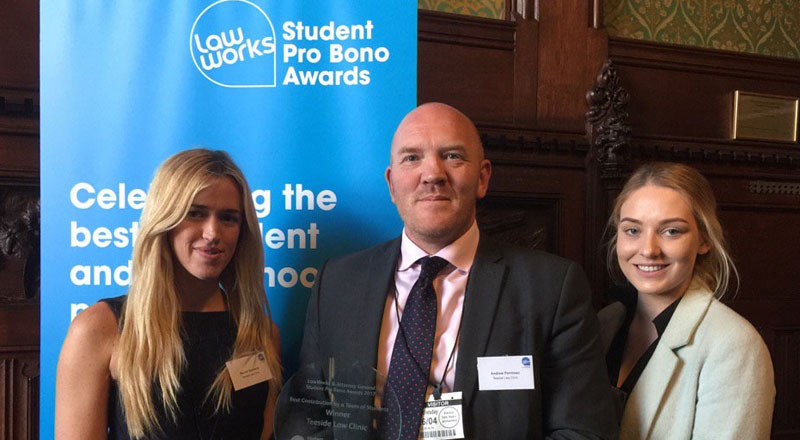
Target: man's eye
411	158
453	156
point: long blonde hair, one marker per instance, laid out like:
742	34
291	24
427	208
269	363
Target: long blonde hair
150	350
715	268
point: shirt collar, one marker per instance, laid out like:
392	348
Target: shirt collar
460	253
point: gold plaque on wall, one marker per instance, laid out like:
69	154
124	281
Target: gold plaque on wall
764	117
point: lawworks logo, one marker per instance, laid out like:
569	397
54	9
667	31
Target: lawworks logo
232	43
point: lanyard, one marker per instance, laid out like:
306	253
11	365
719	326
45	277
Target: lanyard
437	388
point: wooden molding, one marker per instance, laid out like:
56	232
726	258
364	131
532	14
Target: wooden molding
19	101
664	56
714	151
441	27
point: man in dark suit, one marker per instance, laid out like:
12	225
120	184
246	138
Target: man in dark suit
485	299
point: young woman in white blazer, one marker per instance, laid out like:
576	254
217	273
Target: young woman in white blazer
687	365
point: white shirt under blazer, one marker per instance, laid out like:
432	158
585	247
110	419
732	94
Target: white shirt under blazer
710	377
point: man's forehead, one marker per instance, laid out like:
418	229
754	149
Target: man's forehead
440	133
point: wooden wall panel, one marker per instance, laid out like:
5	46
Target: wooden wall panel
766	248
468	63
19	52
786	357
686	94
19	177
19	370
529	72
571	52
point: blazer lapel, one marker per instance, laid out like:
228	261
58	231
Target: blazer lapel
654	385
480	301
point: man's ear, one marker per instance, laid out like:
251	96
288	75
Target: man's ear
388	175
485	173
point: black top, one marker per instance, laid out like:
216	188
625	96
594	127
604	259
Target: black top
208	339
629	299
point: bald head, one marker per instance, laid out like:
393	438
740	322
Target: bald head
439	118
436	174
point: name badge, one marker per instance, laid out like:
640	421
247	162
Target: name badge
505	373
442	418
248	370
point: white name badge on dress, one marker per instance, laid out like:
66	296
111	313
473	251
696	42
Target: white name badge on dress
505	373
248	370
442	418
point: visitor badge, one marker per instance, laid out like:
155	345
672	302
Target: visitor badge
505	373
442	418
248	370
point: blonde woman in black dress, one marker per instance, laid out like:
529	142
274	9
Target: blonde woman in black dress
151	365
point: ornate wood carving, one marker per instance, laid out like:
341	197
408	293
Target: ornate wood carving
608	123
522	221
19	239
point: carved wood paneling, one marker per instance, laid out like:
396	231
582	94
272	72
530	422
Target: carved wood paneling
766	187
19	244
522	221
528	72
19	51
540	205
786	357
19	181
467	62
19	395
684	99
765	243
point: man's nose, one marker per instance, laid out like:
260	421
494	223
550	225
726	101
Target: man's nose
433	171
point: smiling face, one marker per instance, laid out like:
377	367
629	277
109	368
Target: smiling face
205	240
436	175
658	242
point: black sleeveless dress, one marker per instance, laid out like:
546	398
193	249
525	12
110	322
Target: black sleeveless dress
208	339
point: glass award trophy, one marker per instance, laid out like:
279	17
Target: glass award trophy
336	400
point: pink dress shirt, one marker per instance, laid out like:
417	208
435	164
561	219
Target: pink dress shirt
449	285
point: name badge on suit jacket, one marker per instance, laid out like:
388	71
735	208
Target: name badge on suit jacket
505	373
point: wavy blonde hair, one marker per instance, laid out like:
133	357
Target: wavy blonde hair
715	268
150	350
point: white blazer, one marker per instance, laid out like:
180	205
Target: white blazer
710	377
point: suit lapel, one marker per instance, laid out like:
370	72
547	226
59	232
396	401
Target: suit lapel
480	301
654	385
381	278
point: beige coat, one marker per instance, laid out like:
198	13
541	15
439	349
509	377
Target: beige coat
710	377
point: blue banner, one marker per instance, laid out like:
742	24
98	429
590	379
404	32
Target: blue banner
304	95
